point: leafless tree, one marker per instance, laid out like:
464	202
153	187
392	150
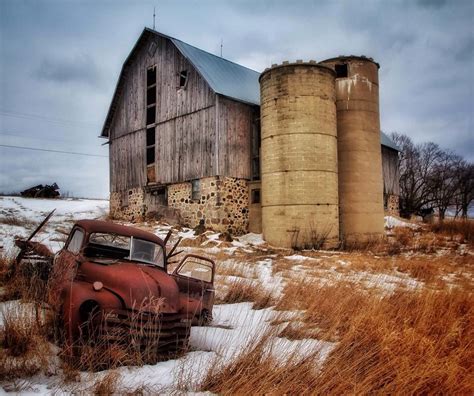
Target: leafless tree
417	163
433	178
465	193
444	181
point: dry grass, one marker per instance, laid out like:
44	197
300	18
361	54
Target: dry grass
6	261
25	350
463	230
235	268
256	371
244	290
25	281
327	308
17	221
408	342
101	347
107	385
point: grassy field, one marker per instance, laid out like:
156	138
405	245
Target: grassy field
392	316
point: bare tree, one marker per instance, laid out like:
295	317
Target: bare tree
417	163
433	178
444	181
465	193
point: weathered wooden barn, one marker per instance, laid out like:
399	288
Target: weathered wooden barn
184	132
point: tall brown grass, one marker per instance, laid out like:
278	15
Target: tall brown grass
244	290
25	350
463	229
410	342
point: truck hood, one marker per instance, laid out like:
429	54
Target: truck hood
140	287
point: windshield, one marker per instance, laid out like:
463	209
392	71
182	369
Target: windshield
118	247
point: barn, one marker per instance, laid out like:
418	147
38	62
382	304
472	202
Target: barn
183	130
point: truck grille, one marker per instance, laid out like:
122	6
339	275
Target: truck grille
141	330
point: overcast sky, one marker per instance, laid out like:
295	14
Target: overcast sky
60	60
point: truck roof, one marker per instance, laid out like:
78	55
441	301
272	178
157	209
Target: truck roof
112	228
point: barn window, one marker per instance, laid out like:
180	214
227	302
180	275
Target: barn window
183	79
255	196
151	76
341	71
150	115
151	96
150	137
195	190
150	155
256	150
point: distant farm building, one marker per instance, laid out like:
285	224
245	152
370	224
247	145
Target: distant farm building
296	155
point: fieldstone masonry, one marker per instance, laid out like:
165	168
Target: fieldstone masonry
128	205
393	205
223	204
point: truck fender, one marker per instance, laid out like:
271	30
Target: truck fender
79	298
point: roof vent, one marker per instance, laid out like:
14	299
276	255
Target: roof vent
152	48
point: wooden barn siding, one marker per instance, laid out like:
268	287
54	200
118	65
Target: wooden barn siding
180	115
127	162
391	171
235	122
171	101
185	147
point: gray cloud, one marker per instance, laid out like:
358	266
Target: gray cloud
76	69
432	3
425	49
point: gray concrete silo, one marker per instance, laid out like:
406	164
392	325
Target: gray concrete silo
359	155
299	155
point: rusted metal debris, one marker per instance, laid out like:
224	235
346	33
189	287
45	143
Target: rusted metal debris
113	283
40	191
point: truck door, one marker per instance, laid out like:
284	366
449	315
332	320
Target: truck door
195	278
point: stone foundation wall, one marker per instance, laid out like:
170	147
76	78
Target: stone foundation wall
222	205
393	207
128	205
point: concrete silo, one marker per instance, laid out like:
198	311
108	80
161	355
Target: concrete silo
360	163
299	155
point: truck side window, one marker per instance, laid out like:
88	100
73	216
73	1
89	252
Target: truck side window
76	241
196	268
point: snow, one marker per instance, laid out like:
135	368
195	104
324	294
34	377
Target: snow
35	210
299	257
250	239
392	222
236	327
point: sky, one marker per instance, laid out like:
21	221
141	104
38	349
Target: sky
60	61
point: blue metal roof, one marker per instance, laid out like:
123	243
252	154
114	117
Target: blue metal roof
224	77
386	141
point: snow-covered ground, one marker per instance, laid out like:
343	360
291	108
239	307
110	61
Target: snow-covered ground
29	212
393	222
235	326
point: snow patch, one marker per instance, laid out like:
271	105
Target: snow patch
392	222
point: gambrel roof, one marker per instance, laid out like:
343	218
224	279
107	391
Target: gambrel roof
223	76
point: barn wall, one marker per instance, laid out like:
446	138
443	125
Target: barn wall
127	161
235	123
186	147
391	177
185	121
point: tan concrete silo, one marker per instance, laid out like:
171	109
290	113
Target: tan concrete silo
299	155
359	154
